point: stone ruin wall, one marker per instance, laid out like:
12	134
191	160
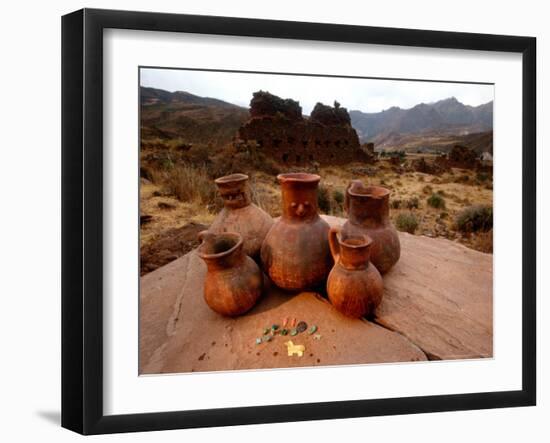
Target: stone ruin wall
464	158
281	132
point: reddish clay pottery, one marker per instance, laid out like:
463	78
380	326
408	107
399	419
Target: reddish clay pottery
295	253
240	215
354	285
233	281
368	209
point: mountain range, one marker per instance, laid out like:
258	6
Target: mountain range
195	119
444	116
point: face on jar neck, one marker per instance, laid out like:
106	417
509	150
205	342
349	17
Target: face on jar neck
299	192
234	190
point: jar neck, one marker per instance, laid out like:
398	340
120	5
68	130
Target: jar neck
236	200
235	197
221	251
369	211
299	202
354	258
228	261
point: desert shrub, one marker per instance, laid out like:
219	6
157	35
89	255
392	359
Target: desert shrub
475	218
269	166
401	155
338	196
436	201
323	199
192	184
396	203
198	154
427	189
482	176
145	173
464	178
484	242
420	178
412	203
407	222
166	163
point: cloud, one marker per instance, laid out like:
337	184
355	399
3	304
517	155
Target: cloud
367	95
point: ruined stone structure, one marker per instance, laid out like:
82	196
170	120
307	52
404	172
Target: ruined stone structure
280	130
461	157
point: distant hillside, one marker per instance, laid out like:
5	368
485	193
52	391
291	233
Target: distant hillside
434	142
194	119
445	116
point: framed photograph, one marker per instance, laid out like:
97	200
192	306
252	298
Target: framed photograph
269	221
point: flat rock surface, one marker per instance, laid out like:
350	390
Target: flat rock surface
437	304
440	296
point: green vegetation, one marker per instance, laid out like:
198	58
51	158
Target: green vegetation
437	201
407	222
412	203
396	203
475	218
323	199
338	196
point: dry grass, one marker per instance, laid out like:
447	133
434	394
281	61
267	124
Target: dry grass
191	189
484	242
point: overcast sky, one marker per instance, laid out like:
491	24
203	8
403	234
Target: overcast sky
367	95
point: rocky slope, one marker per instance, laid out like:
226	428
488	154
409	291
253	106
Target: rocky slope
187	117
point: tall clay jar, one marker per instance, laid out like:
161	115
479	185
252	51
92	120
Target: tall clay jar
233	281
354	285
240	215
368	209
295	253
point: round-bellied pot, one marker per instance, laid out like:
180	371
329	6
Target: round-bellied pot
240	215
368	209
295	253
233	281
354	285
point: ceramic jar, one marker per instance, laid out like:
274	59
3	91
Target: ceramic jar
233	282
354	284
295	253
240	215
368	209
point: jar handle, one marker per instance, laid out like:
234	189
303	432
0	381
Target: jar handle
333	243
205	235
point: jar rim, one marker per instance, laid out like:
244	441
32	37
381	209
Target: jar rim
231	179
371	191
298	177
238	241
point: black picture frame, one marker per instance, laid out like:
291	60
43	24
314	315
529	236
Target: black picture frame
82	218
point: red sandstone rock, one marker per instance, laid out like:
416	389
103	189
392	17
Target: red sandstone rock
437	298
